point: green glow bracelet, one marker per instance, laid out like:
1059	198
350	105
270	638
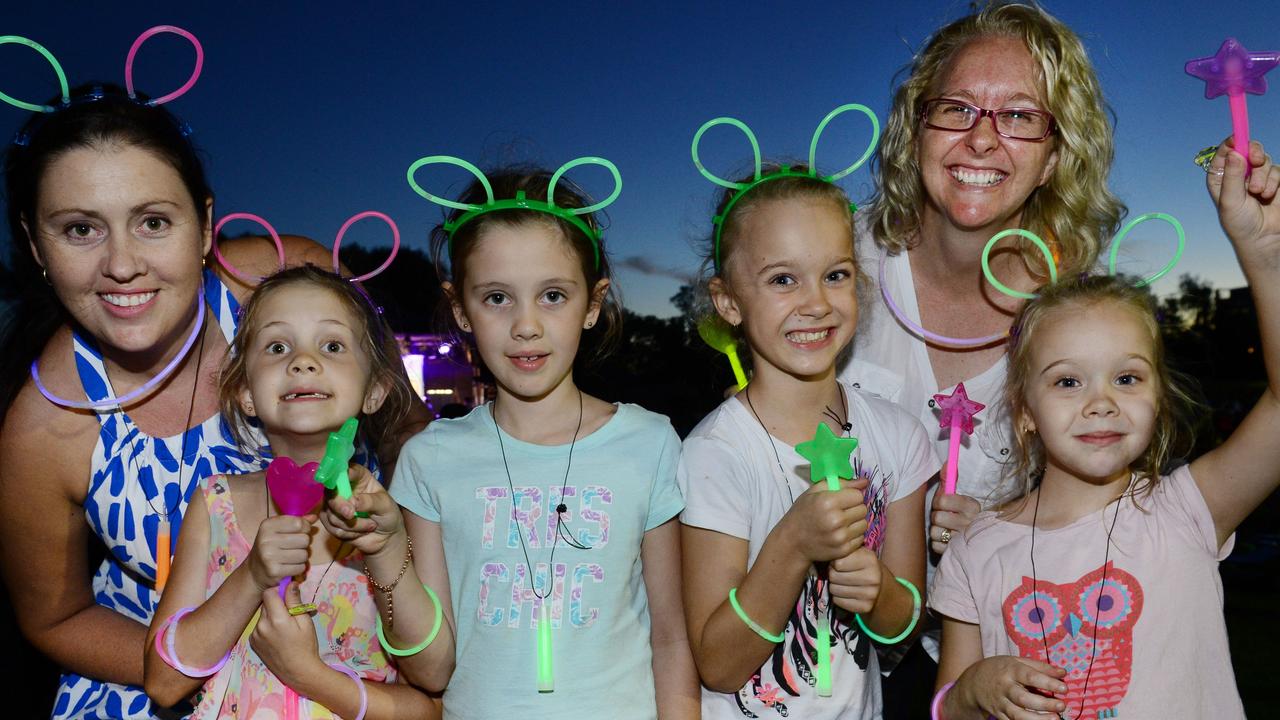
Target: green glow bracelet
915	617
733	601
439	620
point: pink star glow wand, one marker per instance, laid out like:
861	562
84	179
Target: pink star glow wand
1235	71
957	415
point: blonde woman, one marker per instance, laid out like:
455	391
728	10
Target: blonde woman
999	124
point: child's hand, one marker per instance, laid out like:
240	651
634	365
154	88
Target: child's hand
825	525
280	549
1247	209
369	535
1005	686
952	513
855	580
286	643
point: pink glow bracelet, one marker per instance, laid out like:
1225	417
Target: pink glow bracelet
936	705
167	631
364	694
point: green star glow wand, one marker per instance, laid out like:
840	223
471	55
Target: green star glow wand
828	458
338	450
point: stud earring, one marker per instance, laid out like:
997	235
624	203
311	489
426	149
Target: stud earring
466	327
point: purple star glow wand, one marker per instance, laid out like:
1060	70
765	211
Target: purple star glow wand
1235	71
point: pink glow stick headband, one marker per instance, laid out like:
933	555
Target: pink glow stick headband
128	69
337	244
743	188
947	341
519	202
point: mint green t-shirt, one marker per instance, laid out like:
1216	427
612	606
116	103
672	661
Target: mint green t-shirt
622	483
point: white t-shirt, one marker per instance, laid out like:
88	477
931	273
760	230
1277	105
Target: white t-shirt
732	484
1154	645
891	361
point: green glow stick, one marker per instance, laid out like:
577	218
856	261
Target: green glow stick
338	450
546	677
828	458
715	332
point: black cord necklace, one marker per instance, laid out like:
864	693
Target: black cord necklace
844	412
561	508
1106	557
827	411
546	676
162	527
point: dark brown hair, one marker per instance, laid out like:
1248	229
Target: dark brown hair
96	116
450	255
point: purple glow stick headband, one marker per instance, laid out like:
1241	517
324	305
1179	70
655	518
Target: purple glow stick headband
337	244
128	69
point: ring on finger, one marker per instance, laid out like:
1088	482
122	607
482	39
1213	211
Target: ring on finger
945	537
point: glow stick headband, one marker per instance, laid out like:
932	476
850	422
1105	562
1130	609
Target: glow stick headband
519	202
761	178
947	341
337	243
128	70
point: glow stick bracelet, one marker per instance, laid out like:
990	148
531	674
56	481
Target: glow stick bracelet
168	630
364	694
435	629
120	401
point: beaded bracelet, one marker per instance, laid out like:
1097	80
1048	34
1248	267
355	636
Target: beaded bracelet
387	590
168	630
936	705
439	620
733	601
915	617
364	694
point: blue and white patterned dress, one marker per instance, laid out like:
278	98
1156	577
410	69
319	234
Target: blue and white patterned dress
128	469
134	478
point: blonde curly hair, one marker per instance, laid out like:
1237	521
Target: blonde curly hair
1074	211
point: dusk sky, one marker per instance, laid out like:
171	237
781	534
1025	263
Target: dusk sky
310	113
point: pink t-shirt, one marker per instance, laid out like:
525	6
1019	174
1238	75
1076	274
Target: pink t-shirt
1161	641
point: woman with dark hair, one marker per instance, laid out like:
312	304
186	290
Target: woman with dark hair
108	390
999	124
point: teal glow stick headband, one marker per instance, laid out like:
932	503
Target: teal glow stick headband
761	178
519	202
1111	263
128	69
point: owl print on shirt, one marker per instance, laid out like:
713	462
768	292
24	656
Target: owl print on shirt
1078	624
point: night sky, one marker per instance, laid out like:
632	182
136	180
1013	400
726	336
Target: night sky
310	113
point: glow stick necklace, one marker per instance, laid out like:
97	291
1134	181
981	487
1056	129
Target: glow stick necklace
546	674
145	388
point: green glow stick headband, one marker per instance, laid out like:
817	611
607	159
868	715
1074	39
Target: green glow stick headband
1111	264
519	202
760	178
